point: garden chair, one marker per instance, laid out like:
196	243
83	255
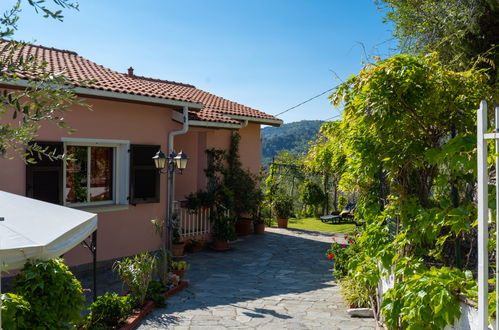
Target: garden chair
346	215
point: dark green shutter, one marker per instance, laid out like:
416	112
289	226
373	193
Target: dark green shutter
44	179
144	177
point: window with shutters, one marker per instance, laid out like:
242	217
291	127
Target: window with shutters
44	178
144	177
97	173
90	174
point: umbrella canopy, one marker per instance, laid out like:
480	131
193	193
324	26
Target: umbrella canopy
32	229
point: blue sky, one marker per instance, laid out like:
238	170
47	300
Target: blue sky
267	54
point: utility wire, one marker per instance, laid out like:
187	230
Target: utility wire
332	117
306	101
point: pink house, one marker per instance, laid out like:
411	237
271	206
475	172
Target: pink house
131	117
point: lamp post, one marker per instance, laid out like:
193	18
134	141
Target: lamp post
168	164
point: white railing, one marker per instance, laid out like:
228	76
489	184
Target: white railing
192	223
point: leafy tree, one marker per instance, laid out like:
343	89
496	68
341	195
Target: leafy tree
326	157
461	31
397	111
22	111
241	182
409	124
311	194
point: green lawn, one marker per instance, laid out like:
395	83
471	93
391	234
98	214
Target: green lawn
316	224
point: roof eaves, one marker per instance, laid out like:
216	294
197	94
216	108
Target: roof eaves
272	122
203	123
116	95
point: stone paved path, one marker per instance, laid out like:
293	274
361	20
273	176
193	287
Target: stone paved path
280	280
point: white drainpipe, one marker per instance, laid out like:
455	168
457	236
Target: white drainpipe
184	130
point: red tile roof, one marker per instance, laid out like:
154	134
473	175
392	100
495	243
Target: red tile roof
85	73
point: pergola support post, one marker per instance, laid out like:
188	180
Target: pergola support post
92	247
483	180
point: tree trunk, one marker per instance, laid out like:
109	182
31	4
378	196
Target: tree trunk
326	193
335	198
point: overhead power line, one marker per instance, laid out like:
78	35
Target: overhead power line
328	119
306	101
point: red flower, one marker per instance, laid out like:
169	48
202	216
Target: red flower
345	237
350	241
343	246
331	256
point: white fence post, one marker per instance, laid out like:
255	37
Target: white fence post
193	224
483	180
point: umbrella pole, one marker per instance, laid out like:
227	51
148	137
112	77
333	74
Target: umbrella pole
92	247
94	255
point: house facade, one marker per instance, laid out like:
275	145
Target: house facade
112	173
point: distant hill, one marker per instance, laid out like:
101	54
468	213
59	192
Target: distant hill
293	137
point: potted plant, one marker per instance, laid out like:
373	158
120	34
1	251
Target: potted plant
258	221
243	226
246	199
195	246
179	267
259	226
223	232
282	205
178	246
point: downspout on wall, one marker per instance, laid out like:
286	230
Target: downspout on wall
185	128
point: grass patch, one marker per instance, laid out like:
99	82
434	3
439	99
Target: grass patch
316	224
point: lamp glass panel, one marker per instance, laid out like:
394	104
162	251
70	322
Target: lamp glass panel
160	162
181	163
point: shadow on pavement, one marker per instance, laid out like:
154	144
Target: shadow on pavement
258	267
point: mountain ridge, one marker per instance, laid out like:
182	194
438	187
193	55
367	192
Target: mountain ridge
293	137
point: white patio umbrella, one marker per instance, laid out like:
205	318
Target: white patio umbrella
32	229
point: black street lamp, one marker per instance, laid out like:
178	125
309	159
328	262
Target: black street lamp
168	165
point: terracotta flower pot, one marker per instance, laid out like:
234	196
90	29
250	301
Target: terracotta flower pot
197	247
259	228
178	249
282	223
243	227
220	245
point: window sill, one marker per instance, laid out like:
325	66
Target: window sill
103	208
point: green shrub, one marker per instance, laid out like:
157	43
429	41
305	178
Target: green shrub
341	255
108	310
180	265
223	227
426	299
354	292
154	292
342	202
16	312
136	272
282	205
55	295
311	194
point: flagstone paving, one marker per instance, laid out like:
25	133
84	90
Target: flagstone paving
280	280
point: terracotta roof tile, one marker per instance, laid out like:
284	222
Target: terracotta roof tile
208	115
85	73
